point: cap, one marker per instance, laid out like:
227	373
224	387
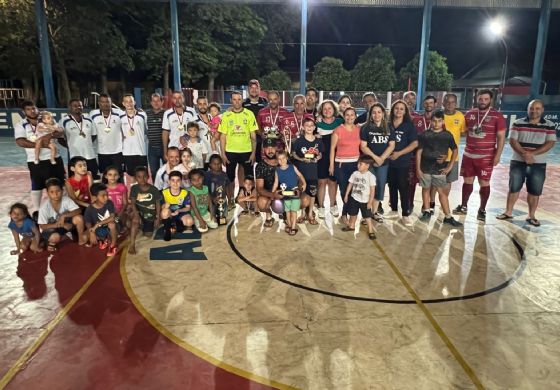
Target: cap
269	142
256	82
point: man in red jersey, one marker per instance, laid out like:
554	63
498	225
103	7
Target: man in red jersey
270	120
293	121
486	137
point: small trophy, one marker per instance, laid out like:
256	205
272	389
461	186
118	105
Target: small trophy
221	211
285	192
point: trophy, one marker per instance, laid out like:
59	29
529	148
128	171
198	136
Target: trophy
287	138
221	210
285	192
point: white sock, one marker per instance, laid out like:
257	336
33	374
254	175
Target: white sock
36	196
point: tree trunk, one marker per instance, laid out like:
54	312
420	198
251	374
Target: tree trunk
211	79
63	84
27	88
123	85
104	88
35	77
166	78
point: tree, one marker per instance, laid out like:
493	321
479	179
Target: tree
438	77
374	71
277	79
330	75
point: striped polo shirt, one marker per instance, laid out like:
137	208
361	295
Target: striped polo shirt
155	121
531	136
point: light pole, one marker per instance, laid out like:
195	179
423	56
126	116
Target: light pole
497	28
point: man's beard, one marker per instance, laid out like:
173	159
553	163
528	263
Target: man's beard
482	106
271	156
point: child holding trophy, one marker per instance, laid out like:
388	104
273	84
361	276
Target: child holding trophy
286	183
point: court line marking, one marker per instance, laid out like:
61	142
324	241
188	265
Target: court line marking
16	367
183	344
429	316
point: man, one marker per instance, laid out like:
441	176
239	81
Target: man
293	121
486	137
409	98
270	120
80	134
255	102
455	124
203	119
107	125
311	99
530	138
24	133
175	121
265	173
134	126
237	141
154	117
161	178
368	100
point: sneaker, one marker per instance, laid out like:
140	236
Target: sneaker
321	212
432	208
481	215
103	244
378	217
451	221
407	221
460	210
392	214
167	235
112	251
380	210
334	211
425	217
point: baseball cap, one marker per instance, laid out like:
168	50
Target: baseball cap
269	142
255	81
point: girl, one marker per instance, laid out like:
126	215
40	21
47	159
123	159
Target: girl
247	196
118	194
22	225
344	102
185	167
192	141
214	123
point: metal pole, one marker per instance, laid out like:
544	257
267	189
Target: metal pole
45	53
504	73
175	46
303	50
540	50
424	51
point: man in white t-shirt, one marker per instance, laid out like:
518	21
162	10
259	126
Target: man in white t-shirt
175	121
24	133
107	123
134	126
161	180
80	135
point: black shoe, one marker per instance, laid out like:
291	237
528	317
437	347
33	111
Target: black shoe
451	221
425	217
432	207
481	216
460	210
166	234
380	209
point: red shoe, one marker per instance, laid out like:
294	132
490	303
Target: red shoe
103	244
112	251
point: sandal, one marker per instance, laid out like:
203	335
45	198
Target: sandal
293	232
312	221
348	229
269	222
51	248
301	219
372	236
287	229
533	222
504	217
244	212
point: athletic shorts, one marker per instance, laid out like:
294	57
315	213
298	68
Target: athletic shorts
102	232
132	162
353	206
323	169
428	180
292	204
480	167
147	225
453	175
235	159
311	188
107	160
43	171
532	175
62	231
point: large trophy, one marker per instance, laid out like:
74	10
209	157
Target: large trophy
221	210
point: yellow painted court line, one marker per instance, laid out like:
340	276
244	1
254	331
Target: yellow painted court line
51	326
446	340
183	344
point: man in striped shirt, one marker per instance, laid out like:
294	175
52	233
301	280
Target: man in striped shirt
530	138
155	144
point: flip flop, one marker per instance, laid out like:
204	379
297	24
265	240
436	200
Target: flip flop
312	221
533	222
51	248
269	222
372	236
301	219
293	232
348	229
504	217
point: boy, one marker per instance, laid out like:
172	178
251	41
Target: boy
59	215
79	182
201	205
100	220
359	196
247	196
434	143
145	200
307	151
286	182
175	210
217	182
198	148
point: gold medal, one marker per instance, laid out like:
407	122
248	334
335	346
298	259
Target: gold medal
181	127
107	129
33	138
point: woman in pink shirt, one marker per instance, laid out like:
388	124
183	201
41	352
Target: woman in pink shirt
345	151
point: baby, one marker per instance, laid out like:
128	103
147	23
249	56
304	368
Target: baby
45	127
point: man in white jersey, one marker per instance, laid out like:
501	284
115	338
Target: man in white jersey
203	119
134	126
175	121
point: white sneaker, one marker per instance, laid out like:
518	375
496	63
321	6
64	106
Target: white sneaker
334	211
321	212
392	214
407	221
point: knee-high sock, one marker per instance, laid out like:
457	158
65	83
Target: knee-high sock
467	191
36	196
166	223
484	195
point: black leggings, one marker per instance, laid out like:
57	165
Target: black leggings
398	185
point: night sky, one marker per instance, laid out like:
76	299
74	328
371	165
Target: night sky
346	32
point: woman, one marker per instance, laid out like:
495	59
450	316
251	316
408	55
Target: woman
406	140
329	121
344	102
378	142
345	151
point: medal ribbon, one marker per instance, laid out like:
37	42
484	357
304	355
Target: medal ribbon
131	124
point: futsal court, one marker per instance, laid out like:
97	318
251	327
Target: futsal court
248	307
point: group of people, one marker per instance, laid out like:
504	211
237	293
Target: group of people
178	167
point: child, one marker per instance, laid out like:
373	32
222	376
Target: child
307	151
45	127
21	224
201	204
192	141
214	123
145	201
186	166
286	182
175	211
247	196
359	196
100	220
79	182
217	182
434	143
59	215
118	194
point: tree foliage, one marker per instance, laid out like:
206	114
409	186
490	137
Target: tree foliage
374	71
438	77
277	79
330	75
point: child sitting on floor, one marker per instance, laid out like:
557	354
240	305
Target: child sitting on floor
118	193
202	206
79	182
175	214
145	201
25	231
100	220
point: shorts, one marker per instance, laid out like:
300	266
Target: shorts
428	180
292	204
43	171
209	223
479	167
62	231
131	162
107	160
102	232
235	159
353	206
147	225
533	175
453	174
311	188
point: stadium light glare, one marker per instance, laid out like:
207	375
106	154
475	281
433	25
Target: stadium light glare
497	27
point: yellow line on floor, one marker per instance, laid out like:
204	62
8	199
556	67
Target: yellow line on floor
446	340
51	326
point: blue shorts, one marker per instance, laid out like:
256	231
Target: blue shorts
533	175
102	232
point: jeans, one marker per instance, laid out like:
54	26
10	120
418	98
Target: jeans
155	157
342	172
380	174
399	185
